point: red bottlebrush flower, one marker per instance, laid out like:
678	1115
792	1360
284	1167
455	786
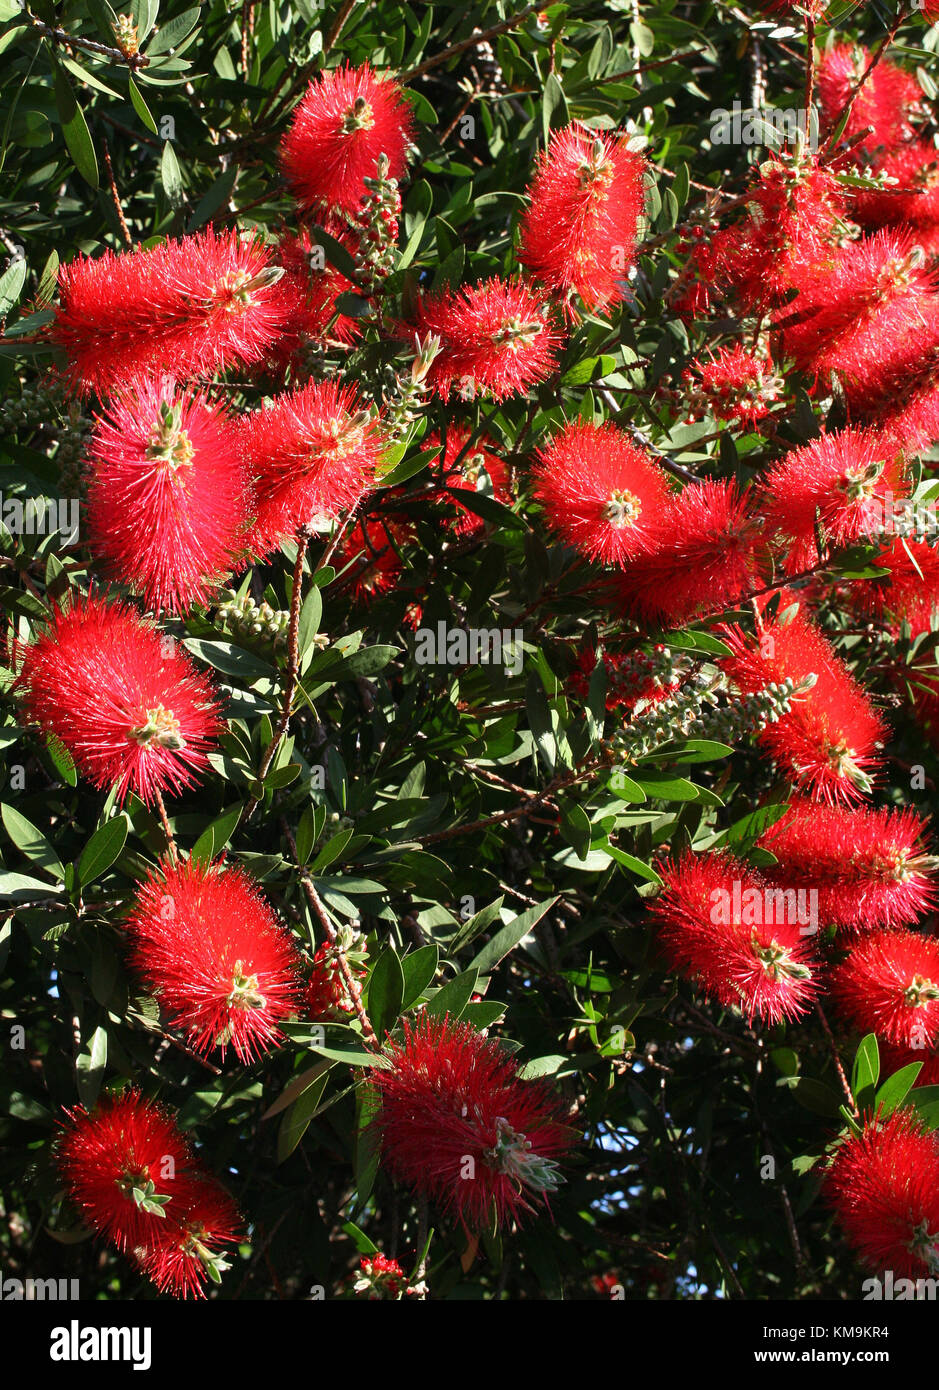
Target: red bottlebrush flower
705	550
166	495
734	385
910	588
381	1277
208	945
373	545
792	217
579	233
831	735
459	1126
741	939
889	985
192	306
911	200
344	122
869	866
600	491
885	102
633	678
315	287
850	479
868	317
327	994
465	475
311	454
129	705
884	1187
191	1249
496	338
894	1058
127	1168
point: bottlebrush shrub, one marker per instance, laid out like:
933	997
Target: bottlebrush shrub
469	697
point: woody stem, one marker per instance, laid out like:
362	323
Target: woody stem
165	822
348	979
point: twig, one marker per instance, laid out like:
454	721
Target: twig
316	902
293	674
472	41
164	821
113	55
247	31
809	69
128	240
844	114
837	1060
339	24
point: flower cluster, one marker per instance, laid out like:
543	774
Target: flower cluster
137	1183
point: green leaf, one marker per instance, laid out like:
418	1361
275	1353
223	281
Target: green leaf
553	104
332	850
102	849
895	1089
453	998
506	940
925	1101
385	992
74	127
140	106
171	177
419	969
367	1144
86	77
866	1071
216	835
234	661
21	888
352	1056
90	1064
336	254
309	625
172	33
31	841
11	286
48	280
296	1119
814	1095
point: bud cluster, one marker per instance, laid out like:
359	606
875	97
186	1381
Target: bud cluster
378	223
256	620
405	392
700	708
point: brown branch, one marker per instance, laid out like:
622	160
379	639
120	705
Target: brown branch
524	808
809	70
128	241
134	61
164	821
247	32
339	24
472	41
316	902
852	1103
844	114
292	675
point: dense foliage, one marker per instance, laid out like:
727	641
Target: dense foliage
483	839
